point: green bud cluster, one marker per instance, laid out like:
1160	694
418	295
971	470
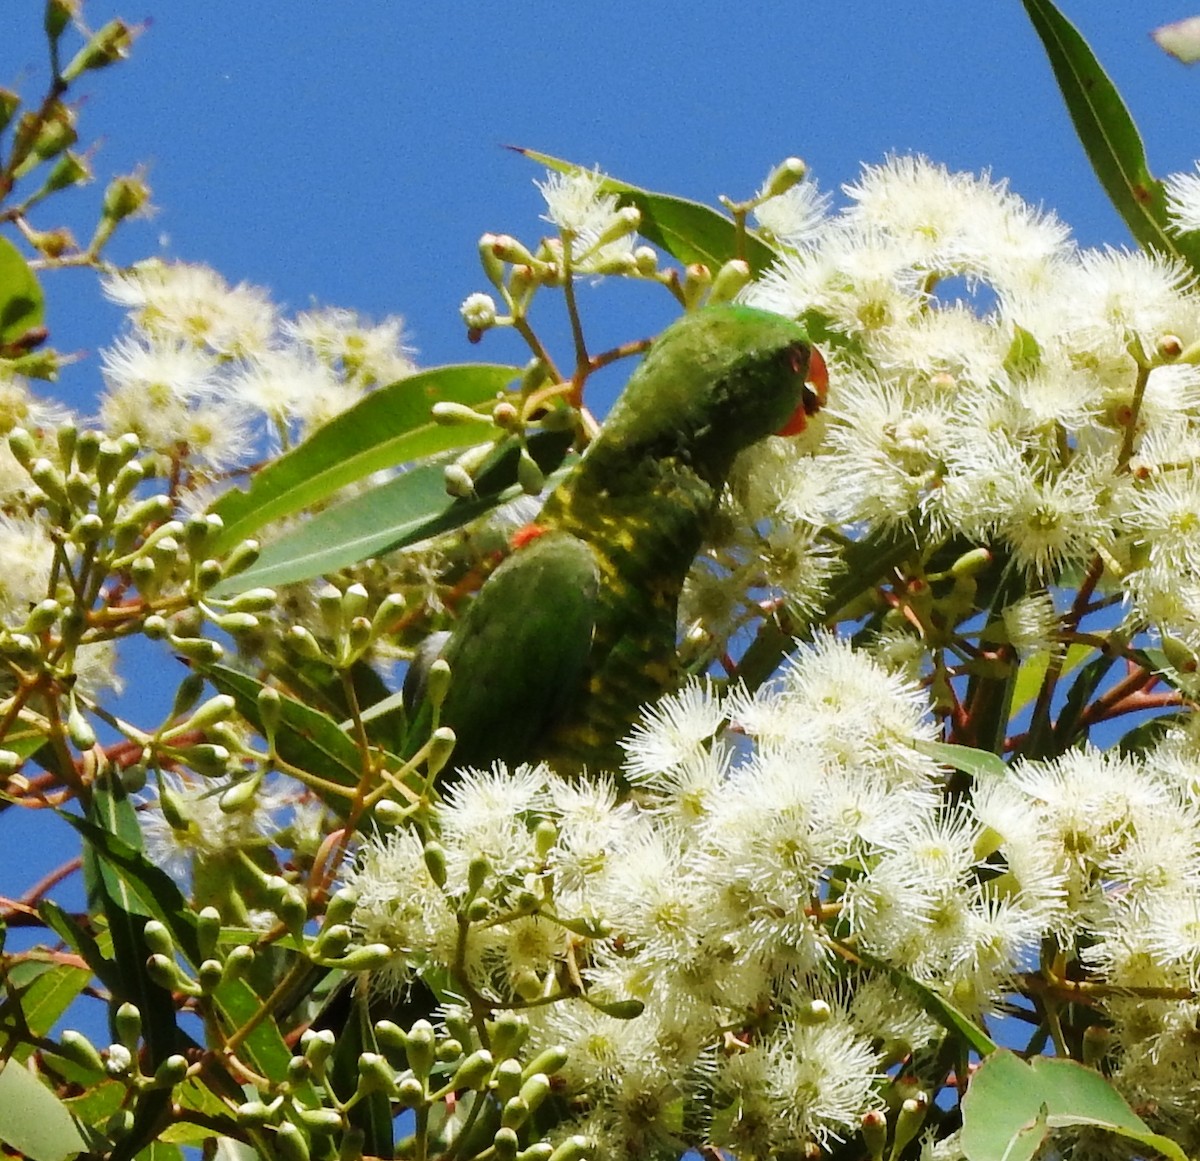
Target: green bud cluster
349	628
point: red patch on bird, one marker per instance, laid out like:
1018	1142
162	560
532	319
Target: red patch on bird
815	391
528	533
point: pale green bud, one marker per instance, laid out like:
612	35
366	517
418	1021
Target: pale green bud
318	1046
127	1022
435	862
733	277
475	1072
290	1142
451	414
239	961
242	557
875	1133
410	1093
441	746
506	1079
322	1121
419	1046
76	1047
506	1143
171	1072
158	938
787	173
509	1032
375	1074
697	278
577	1148
548	1061
111	44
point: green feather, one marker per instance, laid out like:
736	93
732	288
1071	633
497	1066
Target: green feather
577	631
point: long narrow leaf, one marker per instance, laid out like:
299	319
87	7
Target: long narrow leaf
414	506
689	231
389	427
1108	134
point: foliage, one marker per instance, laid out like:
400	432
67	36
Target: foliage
878	825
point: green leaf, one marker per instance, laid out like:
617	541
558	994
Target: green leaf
388	427
1108	134
79	940
49	993
1010	1105
1024	355
977	763
1033	672
402	511
21	303
33	1121
688	231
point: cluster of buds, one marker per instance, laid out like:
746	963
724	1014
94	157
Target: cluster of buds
102	539
349	626
512	429
596	236
44	137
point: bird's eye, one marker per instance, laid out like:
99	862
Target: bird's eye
816	386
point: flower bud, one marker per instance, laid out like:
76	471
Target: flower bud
530	477
369	958
290	1143
127	1022
577	1148
789	172
451	414
410	1093
534	1090
171	1072
874	1132
375	1074
505	1143
435	862
209	975
208	931
909	1121
238	962
111	44
242	557
76	1047
158	938
388	812
474	1072
730	280
697	278
321	1121
441	746
509	1031
318	1046
419	1047
548	1061
458	481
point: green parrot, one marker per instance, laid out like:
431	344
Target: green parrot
576	631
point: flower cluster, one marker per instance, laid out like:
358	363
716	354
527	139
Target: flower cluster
204	362
725	899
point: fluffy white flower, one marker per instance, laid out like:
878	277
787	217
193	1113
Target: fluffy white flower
178	302
1183	200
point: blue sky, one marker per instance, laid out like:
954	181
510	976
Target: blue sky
352	154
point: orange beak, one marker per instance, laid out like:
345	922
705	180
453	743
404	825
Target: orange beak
816	388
